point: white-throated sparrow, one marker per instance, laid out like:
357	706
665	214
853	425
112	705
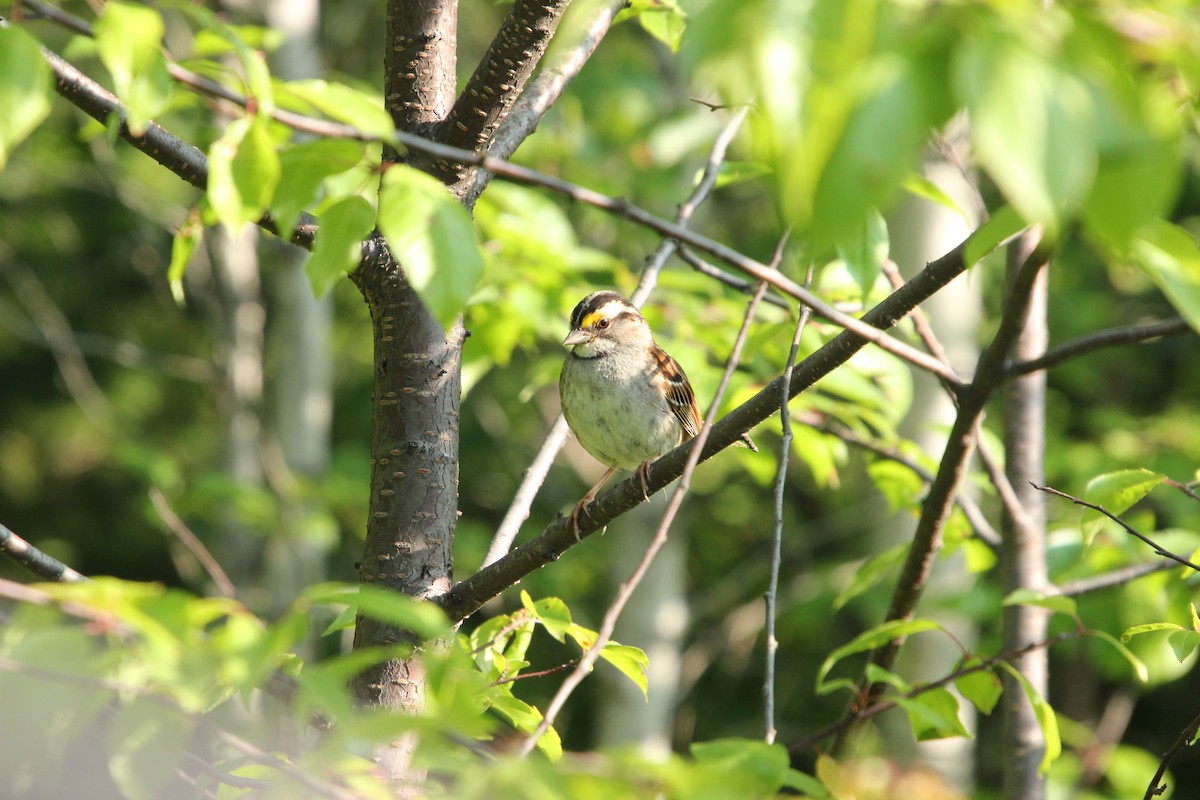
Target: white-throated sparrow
627	401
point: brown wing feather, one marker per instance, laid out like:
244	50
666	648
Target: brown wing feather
680	397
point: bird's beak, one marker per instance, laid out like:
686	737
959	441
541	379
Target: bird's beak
577	336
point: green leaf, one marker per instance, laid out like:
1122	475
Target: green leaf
804	784
422	618
920	186
243	171
631	661
877	674
302	169
1030	597
1140	171
933	715
664	20
999	228
1139	668
1045	717
129	41
433	239
741	768
336	251
526	718
871	572
864	250
551	612
1184	643
189	235
731	173
1118	491
1171	257
26	86
1032	123
1149	627
344	104
146	744
870	639
983	688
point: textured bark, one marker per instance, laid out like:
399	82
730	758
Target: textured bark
1023	553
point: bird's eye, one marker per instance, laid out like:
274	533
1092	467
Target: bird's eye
602	324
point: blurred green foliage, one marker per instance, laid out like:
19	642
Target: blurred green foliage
1083	120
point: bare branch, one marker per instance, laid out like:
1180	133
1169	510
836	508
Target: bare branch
1157	788
772	594
196	547
716	273
1158	550
1100	339
36	561
1107	580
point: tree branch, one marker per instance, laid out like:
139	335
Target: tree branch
1157	787
36	561
1100	339
468	595
1158	549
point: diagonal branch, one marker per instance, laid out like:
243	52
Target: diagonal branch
1158	549
36	561
468	595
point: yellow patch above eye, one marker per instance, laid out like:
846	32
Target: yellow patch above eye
608	310
591	319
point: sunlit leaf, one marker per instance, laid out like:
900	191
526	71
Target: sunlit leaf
336	251
631	661
302	169
1171	257
432	237
424	619
129	40
1059	604
26	86
871	639
1047	721
344	104
243	171
933	715
982	687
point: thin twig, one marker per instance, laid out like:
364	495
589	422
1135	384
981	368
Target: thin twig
877	708
189	540
1157	787
36	561
535	476
772	594
1100	339
1107	580
538	674
1159	550
716	273
626	590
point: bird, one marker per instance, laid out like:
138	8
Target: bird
626	399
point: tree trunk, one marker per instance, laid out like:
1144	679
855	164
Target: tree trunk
1023	553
